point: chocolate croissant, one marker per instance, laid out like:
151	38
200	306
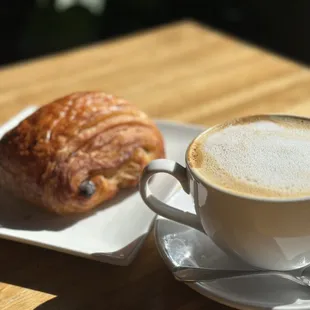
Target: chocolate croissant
78	151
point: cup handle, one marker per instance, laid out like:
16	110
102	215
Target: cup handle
159	207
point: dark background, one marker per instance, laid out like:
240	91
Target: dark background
31	28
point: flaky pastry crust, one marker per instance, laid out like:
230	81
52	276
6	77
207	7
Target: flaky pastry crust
78	151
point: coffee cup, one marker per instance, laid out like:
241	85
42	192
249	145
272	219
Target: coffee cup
250	183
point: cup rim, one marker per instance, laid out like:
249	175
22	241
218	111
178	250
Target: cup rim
230	192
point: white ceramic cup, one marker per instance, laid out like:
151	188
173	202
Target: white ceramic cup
265	233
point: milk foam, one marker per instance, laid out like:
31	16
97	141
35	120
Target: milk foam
262	157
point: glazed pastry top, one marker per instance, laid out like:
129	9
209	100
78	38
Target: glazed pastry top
77	151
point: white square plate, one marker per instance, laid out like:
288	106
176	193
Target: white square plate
112	234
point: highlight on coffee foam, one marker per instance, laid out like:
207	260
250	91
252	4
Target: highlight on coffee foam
267	156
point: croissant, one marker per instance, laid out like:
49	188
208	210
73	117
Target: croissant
78	151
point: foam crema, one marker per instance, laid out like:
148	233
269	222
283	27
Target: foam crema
264	156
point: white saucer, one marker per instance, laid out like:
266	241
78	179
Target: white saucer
111	235
180	245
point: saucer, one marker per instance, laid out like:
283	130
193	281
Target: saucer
112	234
180	245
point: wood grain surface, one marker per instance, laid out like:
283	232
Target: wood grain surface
183	72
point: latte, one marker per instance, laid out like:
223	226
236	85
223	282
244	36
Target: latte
262	156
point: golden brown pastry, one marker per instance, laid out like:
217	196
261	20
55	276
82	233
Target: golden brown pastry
78	151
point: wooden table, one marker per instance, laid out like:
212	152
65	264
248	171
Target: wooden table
182	72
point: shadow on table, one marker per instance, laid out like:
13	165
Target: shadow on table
82	284
19	215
